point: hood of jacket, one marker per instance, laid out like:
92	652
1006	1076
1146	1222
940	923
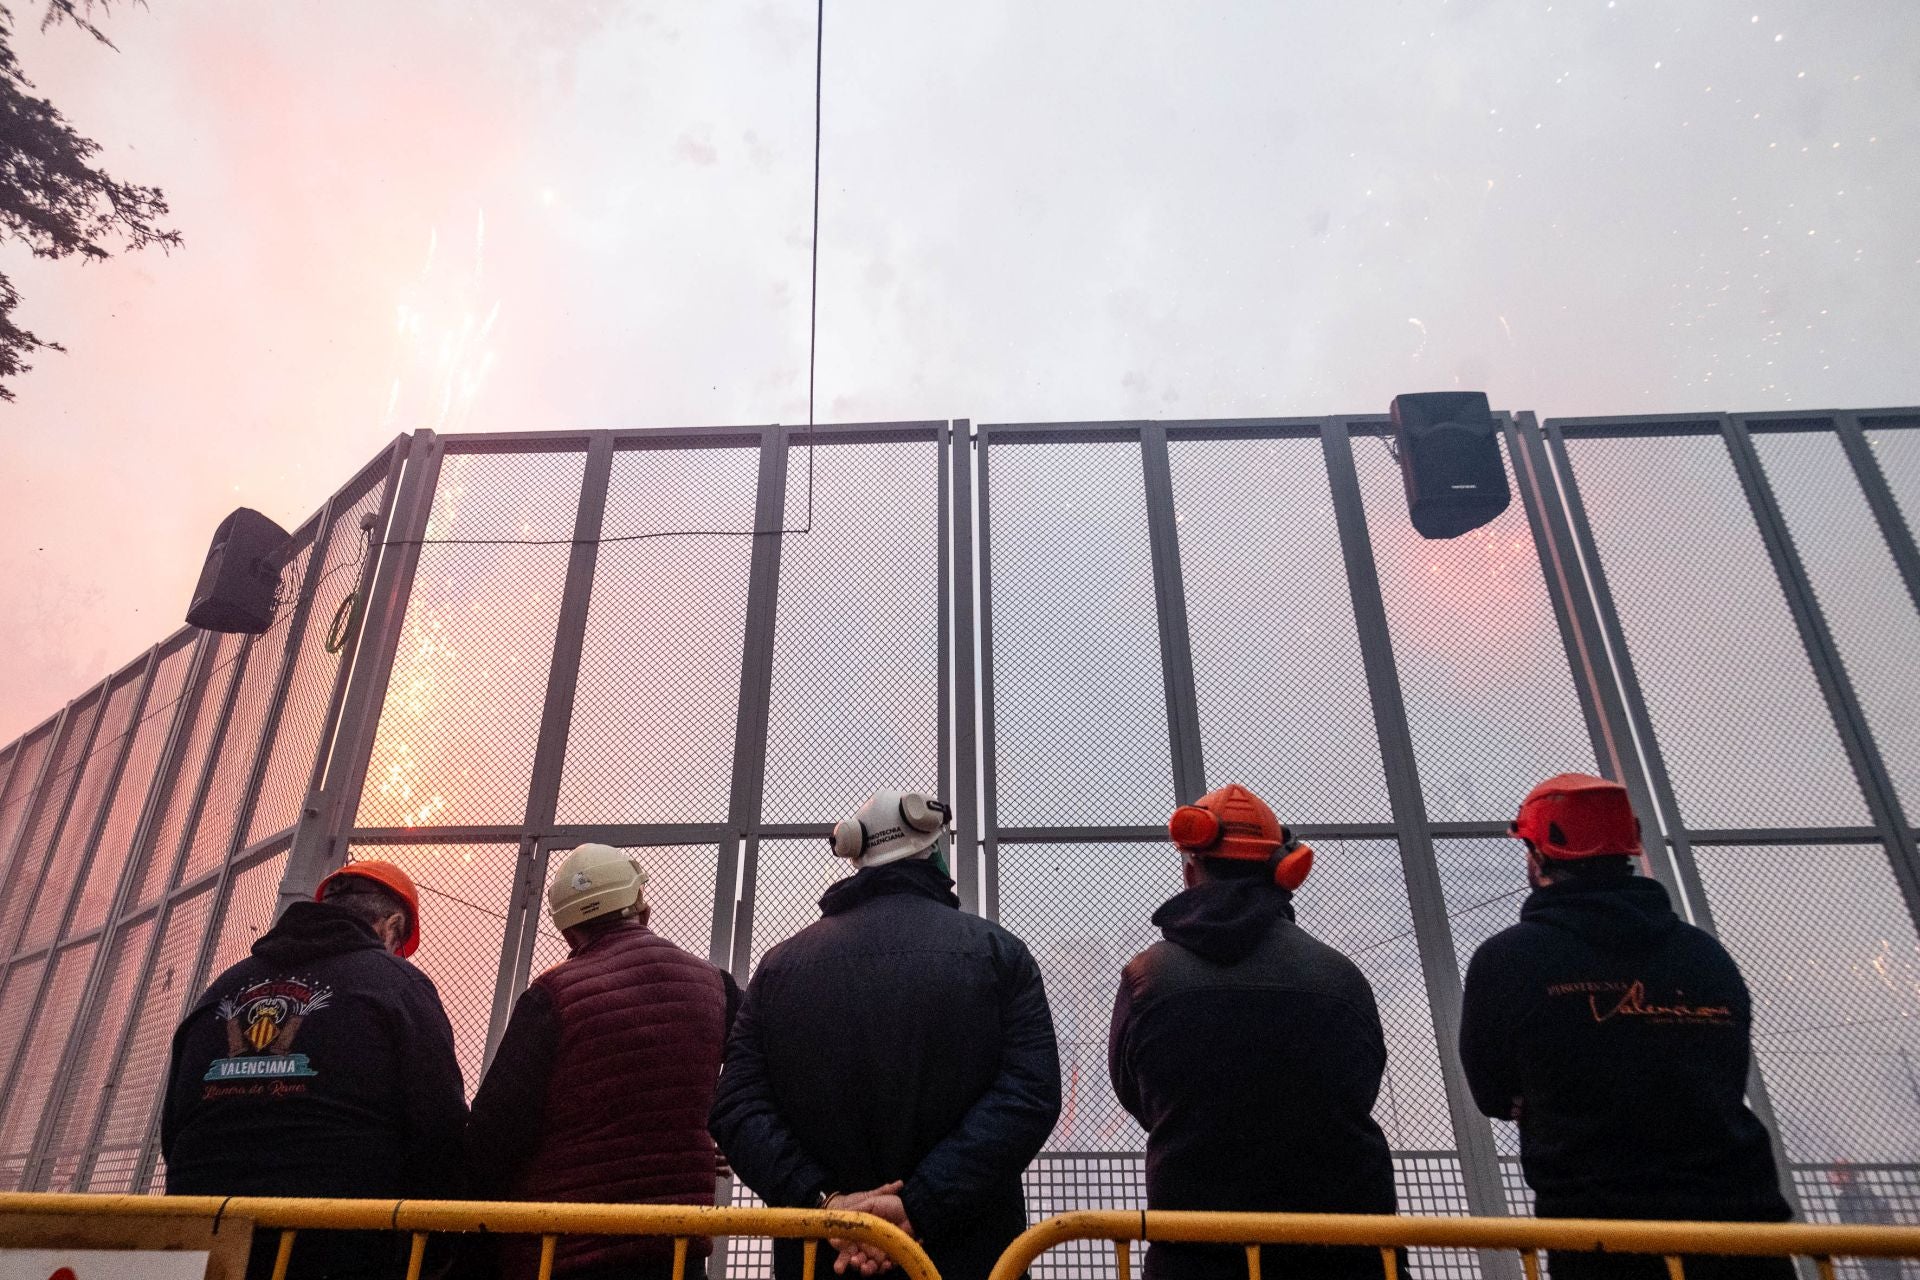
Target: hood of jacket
1223	920
917	876
310	930
1631	913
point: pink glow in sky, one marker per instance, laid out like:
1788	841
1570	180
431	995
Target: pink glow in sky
488	216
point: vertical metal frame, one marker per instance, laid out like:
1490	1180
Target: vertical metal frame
1879	495
1426	900
943	677
35	799
989	736
1850	721
966	782
1170	600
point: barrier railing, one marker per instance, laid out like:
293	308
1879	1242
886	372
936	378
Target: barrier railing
422	1219
1672	1241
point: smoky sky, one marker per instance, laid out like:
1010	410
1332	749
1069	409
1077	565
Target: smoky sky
491	216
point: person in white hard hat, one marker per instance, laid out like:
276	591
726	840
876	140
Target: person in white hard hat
897	1056
627	1016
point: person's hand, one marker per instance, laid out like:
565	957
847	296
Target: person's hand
883	1202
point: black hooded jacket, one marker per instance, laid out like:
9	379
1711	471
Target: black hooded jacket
1251	1052
321	1065
1622	1034
895	1038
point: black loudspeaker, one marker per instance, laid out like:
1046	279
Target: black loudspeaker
242	575
1450	461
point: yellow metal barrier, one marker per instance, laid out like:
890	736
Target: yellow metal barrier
1670	1240
423	1218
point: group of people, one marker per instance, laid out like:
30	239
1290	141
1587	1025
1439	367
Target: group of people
897	1057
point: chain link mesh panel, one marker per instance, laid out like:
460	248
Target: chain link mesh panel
1084	911
158	858
77	1100
248	911
1864	1194
659	689
1078	701
1896	447
240	746
70	847
465	890
1873	620
40	1059
166	989
23	884
1702	610
1271	629
462	712
17	798
130	793
789	877
1833	963
854	704
1490	699
303	711
17	996
679	889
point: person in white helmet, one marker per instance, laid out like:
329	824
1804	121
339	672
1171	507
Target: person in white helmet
897	1056
604	1076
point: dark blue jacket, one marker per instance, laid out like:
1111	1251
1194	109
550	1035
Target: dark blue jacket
895	1038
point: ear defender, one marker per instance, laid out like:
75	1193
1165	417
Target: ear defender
923	814
1291	862
849	838
1195	828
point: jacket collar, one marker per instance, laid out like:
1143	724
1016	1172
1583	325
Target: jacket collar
916	876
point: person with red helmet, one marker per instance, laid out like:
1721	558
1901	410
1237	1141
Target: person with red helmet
321	1065
1250	1051
1618	1036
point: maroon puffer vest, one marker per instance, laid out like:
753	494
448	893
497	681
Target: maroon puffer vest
642	1030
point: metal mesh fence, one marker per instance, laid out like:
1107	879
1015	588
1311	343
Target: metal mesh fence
18	796
1267	599
1079	706
130	793
1490	698
1833	963
77	1098
247	912
233	767
183	781
789	877
659	688
36	850
1702	610
296	738
462	711
465	890
1875	624
854	702
1896	447
17	996
165	989
40	1058
70	848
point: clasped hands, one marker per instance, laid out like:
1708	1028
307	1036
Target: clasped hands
882	1202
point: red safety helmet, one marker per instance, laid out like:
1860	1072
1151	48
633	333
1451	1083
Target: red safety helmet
1237	824
1575	815
394	881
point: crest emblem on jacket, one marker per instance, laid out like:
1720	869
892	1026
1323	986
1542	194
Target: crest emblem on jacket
262	1020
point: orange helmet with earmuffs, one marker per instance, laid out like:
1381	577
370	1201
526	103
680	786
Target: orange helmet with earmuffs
1572	816
1235	824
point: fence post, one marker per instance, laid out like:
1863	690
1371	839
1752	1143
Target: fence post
966	785
1170	600
1886	508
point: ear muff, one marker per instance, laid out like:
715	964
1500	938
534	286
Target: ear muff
1291	862
849	838
1195	828
923	814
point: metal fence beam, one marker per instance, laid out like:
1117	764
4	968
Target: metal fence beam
1886	508
1426	897
989	737
1170	600
966	783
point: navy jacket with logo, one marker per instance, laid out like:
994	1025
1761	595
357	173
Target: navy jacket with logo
321	1065
1623	1033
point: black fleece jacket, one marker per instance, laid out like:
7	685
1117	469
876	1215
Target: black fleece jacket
1620	1035
1251	1052
321	1065
895	1038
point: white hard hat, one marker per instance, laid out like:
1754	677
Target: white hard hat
890	826
595	881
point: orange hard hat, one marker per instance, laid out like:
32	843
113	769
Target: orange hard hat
394	881
1237	824
1576	815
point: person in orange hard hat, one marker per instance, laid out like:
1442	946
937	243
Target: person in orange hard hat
321	1065
1250	1051
1619	1037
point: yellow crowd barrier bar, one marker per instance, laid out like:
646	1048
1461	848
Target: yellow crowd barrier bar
1525	1235
422	1218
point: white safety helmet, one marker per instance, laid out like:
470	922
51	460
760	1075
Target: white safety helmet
890	827
594	882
